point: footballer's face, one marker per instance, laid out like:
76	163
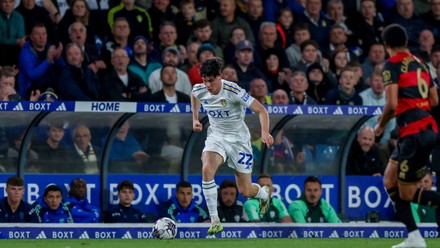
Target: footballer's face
213	84
184	196
79	189
53	199
15	193
228	196
313	192
126	196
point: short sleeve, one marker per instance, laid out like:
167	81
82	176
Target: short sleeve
390	73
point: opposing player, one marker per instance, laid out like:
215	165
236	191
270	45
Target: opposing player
410	93
228	136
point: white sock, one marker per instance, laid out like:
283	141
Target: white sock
261	193
415	234
210	193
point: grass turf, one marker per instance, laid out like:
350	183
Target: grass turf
208	243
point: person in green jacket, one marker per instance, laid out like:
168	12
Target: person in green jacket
310	208
424	213
277	211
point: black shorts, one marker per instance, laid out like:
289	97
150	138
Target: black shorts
412	155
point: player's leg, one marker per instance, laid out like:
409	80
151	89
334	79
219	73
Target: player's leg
211	161
253	190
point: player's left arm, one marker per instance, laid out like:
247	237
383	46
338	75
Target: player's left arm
264	122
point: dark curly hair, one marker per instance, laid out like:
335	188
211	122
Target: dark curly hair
211	67
395	36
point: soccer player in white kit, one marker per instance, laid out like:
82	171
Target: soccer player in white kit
228	139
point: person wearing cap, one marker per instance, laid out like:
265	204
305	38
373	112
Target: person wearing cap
170	56
48	96
53	155
168	93
77	82
138	18
121	84
319	84
205	51
141	64
310	207
246	69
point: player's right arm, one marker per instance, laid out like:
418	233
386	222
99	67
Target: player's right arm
195	105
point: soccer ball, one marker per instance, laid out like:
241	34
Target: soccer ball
164	228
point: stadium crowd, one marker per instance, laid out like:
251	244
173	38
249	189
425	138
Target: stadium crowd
281	51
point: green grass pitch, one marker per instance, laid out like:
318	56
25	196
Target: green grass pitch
209	243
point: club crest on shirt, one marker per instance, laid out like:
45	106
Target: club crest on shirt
223	102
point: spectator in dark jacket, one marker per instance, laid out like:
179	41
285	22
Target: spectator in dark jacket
77	82
122	84
363	158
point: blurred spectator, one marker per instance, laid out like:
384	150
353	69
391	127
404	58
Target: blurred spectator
425	45
368	28
229	73
229	208
224	23
55	12
205	51
301	33
138	19
160	12
202	33
85	156
258	90
32	14
185	21
169	94
126	154
277	212
363	158
48	96
78	12
356	67
280	97
40	63
246	69
237	34
375	96
434	61
319	84
433	18
11	162
50	209
336	15
12	207
310	207
285	27
345	94
125	212
254	16
7	86
121	84
78	82
376	56
423	213
170	56
338	40
182	208
53	155
167	38
298	85
272	65
285	157
267	40
338	61
141	64
191	59
272	8
80	208
309	55
12	34
118	38
319	25
92	59
406	17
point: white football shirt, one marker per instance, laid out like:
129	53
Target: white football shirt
226	111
